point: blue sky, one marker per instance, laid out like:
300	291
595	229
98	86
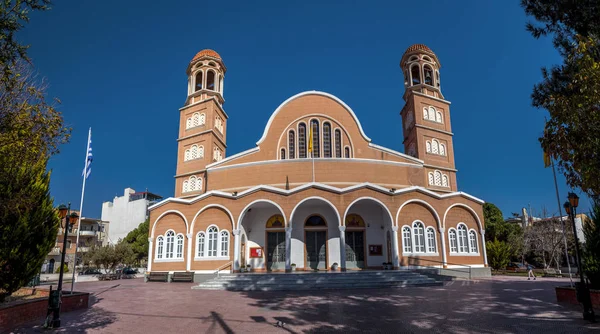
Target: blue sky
119	67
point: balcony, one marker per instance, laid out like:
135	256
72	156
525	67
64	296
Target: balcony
55	251
72	232
87	233
83	249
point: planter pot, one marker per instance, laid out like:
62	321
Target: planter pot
293	268
567	294
334	267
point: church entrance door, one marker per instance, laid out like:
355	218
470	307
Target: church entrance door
275	251
355	249
316	249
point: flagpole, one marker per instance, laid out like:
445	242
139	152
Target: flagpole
313	166
562	221
81	209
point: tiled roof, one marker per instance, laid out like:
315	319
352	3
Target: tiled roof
208	53
418	47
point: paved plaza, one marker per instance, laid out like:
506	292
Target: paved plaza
495	305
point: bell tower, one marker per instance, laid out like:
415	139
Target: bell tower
202	125
426	118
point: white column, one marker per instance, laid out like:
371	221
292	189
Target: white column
395	257
342	247
189	253
483	246
236	249
443	240
288	249
150	253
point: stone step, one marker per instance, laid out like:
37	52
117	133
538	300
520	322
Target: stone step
318	281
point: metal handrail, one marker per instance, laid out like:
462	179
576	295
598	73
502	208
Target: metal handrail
222	267
442	263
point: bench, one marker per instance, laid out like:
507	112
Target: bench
182	276
552	272
158	276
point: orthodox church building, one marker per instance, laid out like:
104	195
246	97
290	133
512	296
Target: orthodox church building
314	192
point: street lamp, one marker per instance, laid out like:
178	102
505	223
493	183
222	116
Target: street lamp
583	293
55	297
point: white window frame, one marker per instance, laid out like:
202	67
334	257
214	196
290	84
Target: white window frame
418	236
413	251
200	249
407	246
431	246
162	251
223	243
453	247
431	176
432	114
205	255
459	250
473	244
186	186
463	238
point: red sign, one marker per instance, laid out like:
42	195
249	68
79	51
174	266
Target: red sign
375	250
256	252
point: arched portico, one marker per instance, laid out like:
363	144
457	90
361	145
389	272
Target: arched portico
367	240
261	225
314	231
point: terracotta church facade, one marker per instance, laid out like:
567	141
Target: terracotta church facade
315	193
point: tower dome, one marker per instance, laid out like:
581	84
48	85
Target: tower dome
207	53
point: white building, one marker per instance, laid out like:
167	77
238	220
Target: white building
127	212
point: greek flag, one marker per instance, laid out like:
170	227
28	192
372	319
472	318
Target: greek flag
87	170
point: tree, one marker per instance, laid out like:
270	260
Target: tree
31	130
591	247
492	217
498	253
138	239
497	228
569	91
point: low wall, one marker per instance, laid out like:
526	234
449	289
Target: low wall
567	294
22	312
458	272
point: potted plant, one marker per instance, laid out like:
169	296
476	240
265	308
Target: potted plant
387	266
248	268
293	267
334	267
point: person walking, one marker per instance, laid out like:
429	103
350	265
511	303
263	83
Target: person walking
530	271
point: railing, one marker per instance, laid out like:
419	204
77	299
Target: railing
87	233
441	263
230	263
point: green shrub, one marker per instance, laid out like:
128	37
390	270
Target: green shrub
591	247
498	253
65	269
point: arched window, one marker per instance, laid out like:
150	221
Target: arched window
431	240
224	243
419	236
186	187
201	151
192	183
442	149
282	156
428	146
431	116
170	236
159	247
453	244
179	246
202	119
187	155
316	147
217	154
428	74
437	178
438	116
196	119
188	123
435	147
212	241
406	239
463	244
200	244
198	81
347	152
425	113
338	143
472	241
445	181
431	181
425	58
301	141
327	140
194	152
413	58
415	73
221	85
210	80
292	144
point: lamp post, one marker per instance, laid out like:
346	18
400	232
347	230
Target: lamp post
583	293
63	212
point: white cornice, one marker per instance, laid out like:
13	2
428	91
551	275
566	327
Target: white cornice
204	132
191	173
233	157
203	101
433	129
440	167
431	97
317	186
313	92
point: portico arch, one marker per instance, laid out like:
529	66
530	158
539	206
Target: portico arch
470	209
366	246
416	200
166	213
